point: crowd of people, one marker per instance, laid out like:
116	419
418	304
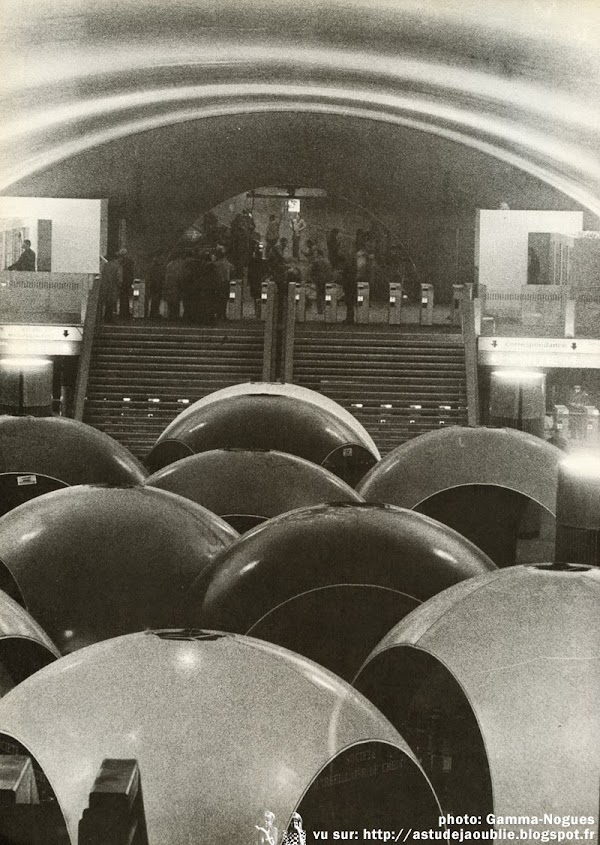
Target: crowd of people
192	283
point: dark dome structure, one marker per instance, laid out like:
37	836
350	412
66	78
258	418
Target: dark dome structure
285	423
291	391
329	581
24	647
500	676
224	729
41	454
247	487
478	481
93	562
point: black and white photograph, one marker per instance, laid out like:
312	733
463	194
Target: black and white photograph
299	422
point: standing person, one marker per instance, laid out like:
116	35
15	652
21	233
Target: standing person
268	833
200	300
295	834
298	225
310	253
110	283
189	279
242	227
345	276
277	262
126	286
173	287
154	287
334	246
26	261
272	233
210	230
224	274
319	275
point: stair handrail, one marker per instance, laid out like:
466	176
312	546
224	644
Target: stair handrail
270	341
289	334
90	324
470	308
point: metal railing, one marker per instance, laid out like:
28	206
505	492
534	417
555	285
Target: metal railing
92	319
43	298
470	318
542	311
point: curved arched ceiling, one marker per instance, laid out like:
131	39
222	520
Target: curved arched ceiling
516	84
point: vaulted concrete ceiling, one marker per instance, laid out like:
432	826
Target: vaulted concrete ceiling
397	103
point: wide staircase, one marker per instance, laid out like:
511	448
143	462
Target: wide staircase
141	377
397	383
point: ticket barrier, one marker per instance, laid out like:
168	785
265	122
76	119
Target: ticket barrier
300	303
332	295
560	416
426	310
235	301
138	309
592	425
457	297
31	815
362	302
395	303
116	807
267	294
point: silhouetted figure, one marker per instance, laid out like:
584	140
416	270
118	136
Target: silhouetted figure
319	275
334	246
242	227
277	261
206	291
272	233
155	276
345	276
298	225
310	252
210	230
175	275
26	261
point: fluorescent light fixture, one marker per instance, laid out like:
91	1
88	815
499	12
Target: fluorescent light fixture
518	375
25	363
583	464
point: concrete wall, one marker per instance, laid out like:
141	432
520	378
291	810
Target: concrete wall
502	241
78	228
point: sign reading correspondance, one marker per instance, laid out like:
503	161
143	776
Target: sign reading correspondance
538	352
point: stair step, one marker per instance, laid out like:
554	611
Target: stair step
373	369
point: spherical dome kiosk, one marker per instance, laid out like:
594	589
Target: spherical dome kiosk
93	562
478	481
225	729
24	646
42	454
329	581
500	676
259	420
247	487
293	391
